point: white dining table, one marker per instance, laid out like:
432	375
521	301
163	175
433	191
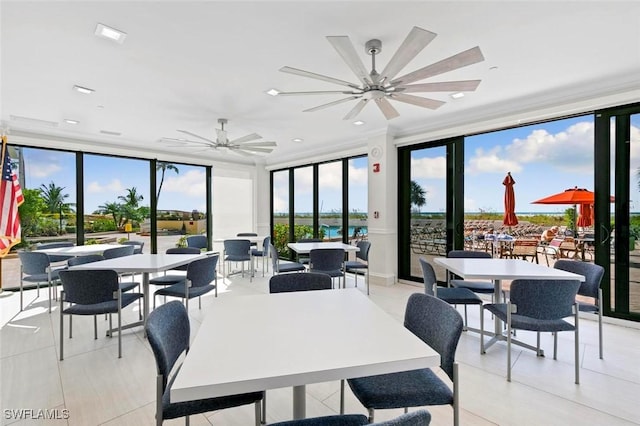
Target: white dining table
271	341
79	250
144	264
253	239
305	248
497	270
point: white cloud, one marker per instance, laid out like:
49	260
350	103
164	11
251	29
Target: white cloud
330	175
429	168
42	170
358	176
491	161
114	186
190	184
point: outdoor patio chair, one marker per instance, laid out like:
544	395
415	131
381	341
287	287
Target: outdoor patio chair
36	268
356	267
282	267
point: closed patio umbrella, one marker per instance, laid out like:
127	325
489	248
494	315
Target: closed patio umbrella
586	216
510	218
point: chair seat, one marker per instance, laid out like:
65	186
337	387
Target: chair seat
528	323
405	389
333	273
233	258
462	296
484	287
109	307
587	307
128	286
167	279
177	290
354	264
342	420
258	253
290	267
38	278
181	409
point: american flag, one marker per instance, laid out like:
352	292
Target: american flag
10	198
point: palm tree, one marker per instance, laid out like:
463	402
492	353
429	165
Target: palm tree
113	209
163	166
417	195
132	198
54	200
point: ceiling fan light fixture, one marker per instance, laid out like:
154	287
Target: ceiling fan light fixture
358	123
110	33
457	95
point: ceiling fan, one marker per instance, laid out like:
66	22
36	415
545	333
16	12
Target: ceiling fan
380	87
243	146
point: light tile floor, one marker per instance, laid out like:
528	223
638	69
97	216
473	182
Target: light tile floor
97	388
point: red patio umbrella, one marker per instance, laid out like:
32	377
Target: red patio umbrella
510	218
573	196
586	216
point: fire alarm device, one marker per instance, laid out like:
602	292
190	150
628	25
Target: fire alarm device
376	215
376	167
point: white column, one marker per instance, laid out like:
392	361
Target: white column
262	200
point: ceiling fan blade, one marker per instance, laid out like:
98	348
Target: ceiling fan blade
348	53
198	136
418	101
443	86
387	109
321	92
416	40
356	109
255	145
462	59
331	104
309	74
248	138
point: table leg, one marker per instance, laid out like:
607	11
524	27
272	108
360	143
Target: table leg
299	402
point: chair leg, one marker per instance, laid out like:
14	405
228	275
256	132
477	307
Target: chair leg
509	342
95	327
465	318
342	396
600	323
61	328
258	412
577	345
367	280
555	345
119	324
371	414
481	329
456	396
263	419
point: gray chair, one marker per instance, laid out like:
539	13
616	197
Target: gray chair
55	258
438	325
264	253
415	418
197	241
328	261
482	287
590	288
451	295
237	251
92	292
138	246
170	279
305	259
355	266
248	234
299	282
168	332
36	268
200	274
283	267
121	251
540	306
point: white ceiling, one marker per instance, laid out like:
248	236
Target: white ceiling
186	64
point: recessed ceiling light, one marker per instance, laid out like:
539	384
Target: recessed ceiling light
358	123
84	90
110	33
457	95
297	140
273	92
70	121
109	132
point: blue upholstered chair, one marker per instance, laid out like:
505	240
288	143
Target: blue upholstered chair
415	418
200	274
248	234
590	288
93	292
237	251
168	332
138	246
437	324
299	282
540	306
328	261
357	267
197	241
264	253
304	259
482	287
55	258
283	267
118	251
452	295
36	268
170	279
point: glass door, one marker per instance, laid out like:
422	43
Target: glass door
618	209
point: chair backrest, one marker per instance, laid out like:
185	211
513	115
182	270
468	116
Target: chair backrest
428	276
364	247
90	286
81	260
265	244
246	234
329	259
138	245
199	241
237	249
33	262
414	418
591	272
436	323
469	254
202	271
273	254
299	282
183	250
119	251
544	299
168	332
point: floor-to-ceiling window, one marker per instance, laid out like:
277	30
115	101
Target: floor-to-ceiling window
330	200
280	215
357	187
303	213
